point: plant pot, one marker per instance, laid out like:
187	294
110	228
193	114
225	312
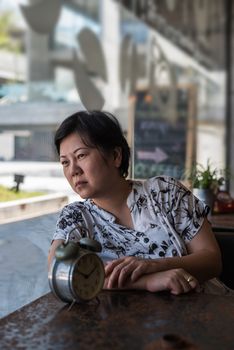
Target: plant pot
206	195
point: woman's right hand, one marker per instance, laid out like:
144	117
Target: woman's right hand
129	268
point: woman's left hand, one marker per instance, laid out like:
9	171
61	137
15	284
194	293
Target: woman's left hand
118	271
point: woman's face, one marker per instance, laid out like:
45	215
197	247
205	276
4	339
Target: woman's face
88	173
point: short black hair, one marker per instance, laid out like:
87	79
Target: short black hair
97	129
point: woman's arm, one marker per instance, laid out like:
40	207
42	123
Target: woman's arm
203	261
177	281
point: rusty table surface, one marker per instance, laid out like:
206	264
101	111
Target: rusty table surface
123	320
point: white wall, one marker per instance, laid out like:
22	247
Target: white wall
7	146
211	144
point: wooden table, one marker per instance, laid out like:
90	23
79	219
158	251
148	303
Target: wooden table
123	320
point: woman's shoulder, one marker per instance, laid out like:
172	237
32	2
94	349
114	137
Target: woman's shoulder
77	205
75	208
72	214
161	185
160	182
163	182
86	209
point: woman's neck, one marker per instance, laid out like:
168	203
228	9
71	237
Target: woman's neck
116	198
116	203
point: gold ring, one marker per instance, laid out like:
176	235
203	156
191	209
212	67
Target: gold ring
189	279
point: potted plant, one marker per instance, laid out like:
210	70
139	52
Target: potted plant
206	181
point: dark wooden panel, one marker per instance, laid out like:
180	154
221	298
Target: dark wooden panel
226	243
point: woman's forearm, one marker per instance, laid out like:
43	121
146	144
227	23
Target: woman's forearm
203	264
176	281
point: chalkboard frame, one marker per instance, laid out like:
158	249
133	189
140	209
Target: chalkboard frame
188	126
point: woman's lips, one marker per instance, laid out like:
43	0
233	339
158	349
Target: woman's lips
80	184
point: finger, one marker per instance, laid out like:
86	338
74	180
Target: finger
121	272
186	287
179	283
109	267
127	271
189	282
193	282
105	283
138	272
114	275
145	267
176	287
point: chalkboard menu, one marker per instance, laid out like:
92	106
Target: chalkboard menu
163	146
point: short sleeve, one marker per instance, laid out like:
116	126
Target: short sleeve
184	212
71	222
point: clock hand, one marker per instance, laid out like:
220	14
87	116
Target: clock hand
90	273
85	275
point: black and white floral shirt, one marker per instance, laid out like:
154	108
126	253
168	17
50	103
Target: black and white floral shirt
165	214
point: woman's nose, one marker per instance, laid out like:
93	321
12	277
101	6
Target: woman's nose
75	169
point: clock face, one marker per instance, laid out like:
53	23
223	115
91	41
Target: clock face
88	276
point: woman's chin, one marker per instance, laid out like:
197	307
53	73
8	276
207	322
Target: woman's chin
83	194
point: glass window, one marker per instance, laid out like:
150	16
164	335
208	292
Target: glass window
177	61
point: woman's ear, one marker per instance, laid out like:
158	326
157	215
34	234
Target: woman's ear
117	156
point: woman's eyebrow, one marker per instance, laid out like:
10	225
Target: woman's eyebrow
74	152
79	148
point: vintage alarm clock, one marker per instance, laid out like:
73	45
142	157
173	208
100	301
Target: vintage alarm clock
77	273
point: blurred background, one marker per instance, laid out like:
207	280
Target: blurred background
164	68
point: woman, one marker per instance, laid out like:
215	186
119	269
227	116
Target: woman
154	234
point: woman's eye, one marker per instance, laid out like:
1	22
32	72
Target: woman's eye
81	156
64	163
